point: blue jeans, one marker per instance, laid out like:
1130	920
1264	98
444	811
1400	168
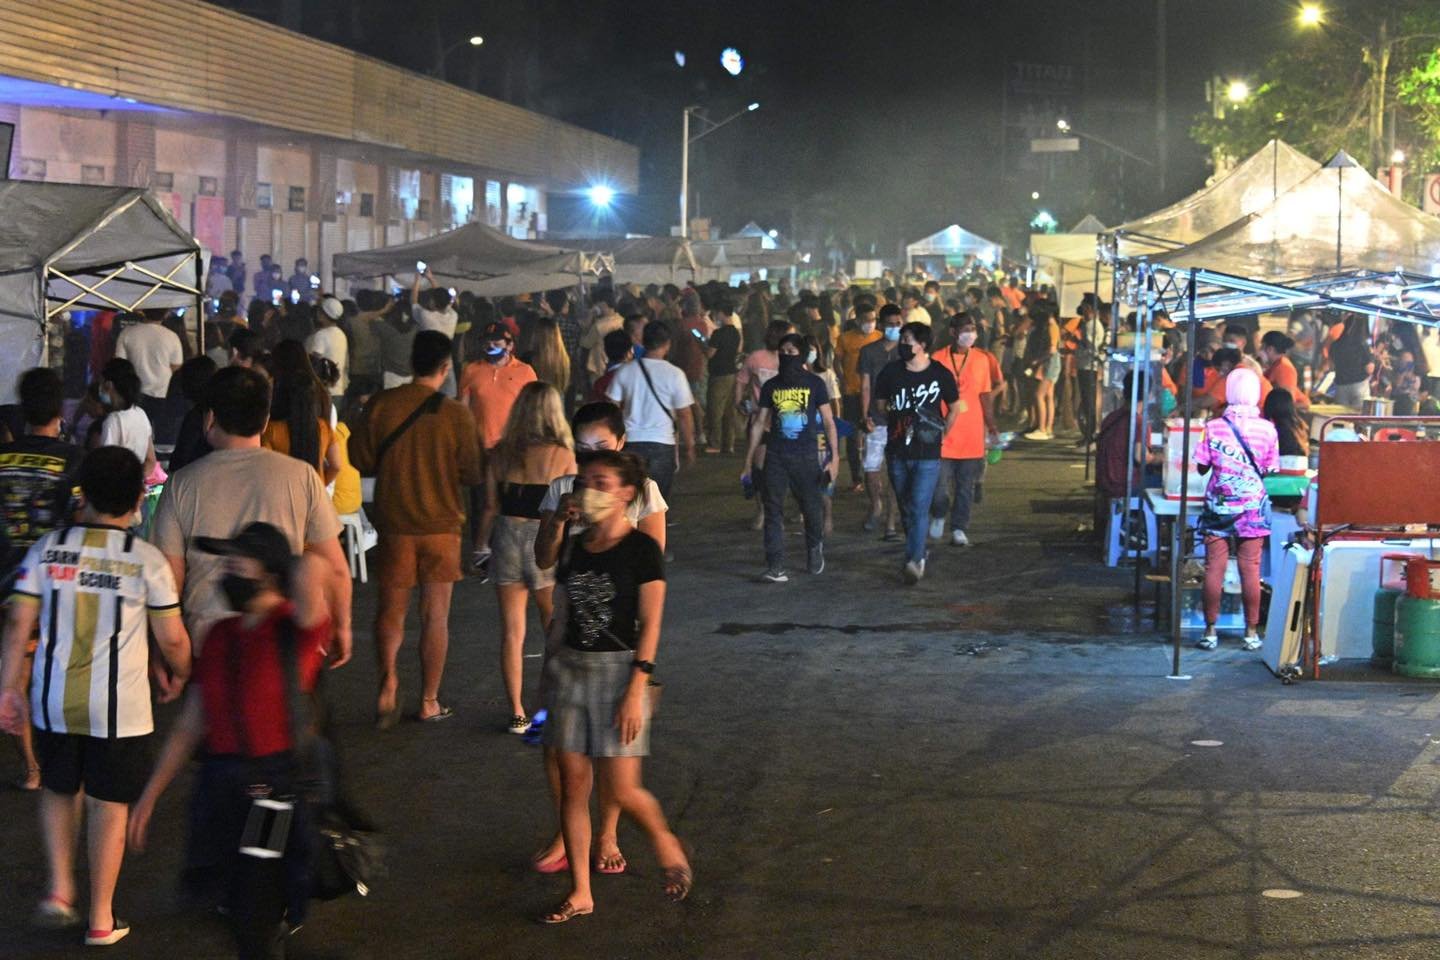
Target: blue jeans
659	462
914	484
955	491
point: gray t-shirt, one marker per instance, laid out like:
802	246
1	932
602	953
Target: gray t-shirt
219	494
874	358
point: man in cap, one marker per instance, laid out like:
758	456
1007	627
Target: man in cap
329	341
489	389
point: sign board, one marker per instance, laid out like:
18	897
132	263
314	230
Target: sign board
1430	202
1055	145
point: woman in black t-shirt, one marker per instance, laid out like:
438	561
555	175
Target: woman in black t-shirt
610	593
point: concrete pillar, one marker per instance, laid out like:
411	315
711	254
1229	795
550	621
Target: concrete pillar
134	151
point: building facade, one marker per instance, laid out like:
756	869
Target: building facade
260	139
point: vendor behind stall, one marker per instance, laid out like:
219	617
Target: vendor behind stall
1238	449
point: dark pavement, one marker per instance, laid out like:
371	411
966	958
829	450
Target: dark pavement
991	764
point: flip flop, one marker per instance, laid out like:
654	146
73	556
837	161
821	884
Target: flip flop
610	866
445	713
559	865
678	882
566	912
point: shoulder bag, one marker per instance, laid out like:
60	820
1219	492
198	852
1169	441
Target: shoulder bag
1222	524
431	404
653	392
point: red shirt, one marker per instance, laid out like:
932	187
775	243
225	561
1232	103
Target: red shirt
242	683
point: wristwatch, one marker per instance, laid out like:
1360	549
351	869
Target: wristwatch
644	666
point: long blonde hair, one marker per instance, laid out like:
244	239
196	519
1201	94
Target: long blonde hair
536	419
550	358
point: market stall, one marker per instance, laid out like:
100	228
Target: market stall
950	247
478	258
69	247
1068	262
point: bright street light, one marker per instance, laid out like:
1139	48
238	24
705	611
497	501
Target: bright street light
709	127
476	40
1311	15
1238	91
601	195
1034	194
1062	125
1398	158
751	108
731	60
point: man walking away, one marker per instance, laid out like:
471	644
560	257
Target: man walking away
421	448
790	458
656	400
92	589
913	391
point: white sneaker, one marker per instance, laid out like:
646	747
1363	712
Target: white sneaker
958	539
1208	642
937	528
1252	642
914	572
1037	435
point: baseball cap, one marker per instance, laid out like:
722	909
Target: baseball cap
258	541
495	330
332	308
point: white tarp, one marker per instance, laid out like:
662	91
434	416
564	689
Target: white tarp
1067	260
76	246
1337	219
953	243
1248	187
478	258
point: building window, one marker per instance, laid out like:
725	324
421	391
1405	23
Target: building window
264	196
164	182
367	204
209	186
92	173
297	200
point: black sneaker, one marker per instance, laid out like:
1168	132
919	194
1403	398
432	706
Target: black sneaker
817	558
775	575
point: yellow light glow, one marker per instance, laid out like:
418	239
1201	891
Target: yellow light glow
1311	15
1238	91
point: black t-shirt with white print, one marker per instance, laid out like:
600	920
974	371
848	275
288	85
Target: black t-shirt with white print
916	405
603	591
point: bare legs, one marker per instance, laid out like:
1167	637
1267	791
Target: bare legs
434	643
607	842
512	597
60	823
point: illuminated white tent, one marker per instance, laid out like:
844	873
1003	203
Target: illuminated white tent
1338	219
67	246
1248	187
954	243
1067	260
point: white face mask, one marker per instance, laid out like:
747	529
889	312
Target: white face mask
810	357
966	338
868	327
596	505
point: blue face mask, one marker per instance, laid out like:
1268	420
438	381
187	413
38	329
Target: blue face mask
892	334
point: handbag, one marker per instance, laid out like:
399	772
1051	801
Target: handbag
1215	523
346	855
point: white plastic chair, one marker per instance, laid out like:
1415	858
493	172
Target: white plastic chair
359	536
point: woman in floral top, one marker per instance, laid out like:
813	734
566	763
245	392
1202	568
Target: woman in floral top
1236	489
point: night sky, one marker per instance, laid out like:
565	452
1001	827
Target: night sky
879	122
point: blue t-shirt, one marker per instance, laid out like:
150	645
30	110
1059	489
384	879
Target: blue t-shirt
793	401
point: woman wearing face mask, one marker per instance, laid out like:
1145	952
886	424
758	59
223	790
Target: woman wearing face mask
596	426
237	708
125	424
815	362
533	450
600	656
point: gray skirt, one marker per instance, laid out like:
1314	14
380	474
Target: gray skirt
583	692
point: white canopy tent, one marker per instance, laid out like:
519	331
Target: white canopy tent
1338	219
654	260
954	243
743	255
1068	261
1248	187
478	258
67	246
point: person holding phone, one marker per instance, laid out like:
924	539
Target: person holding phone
789	402
431	309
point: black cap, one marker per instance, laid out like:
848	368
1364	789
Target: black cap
495	331
258	541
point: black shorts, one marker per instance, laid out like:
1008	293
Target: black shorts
111	770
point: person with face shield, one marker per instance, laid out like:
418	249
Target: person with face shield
238	709
599	663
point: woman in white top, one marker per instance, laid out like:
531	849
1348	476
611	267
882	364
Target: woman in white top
595	426
125	424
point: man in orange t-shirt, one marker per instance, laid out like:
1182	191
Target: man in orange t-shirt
489	388
963	450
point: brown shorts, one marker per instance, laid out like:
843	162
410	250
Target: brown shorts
406	559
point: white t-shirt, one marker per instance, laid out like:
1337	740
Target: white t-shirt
129	429
442	320
330	343
649	501
918	315
594	340
153	350
96	588
645	419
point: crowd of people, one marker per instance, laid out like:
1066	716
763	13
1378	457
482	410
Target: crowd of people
188	481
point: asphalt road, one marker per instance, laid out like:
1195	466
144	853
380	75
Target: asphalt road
991	764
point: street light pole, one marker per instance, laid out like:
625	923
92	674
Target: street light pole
439	69
685	156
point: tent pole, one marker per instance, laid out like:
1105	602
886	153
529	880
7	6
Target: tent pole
1180	532
1128	527
1142	395
1094	410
